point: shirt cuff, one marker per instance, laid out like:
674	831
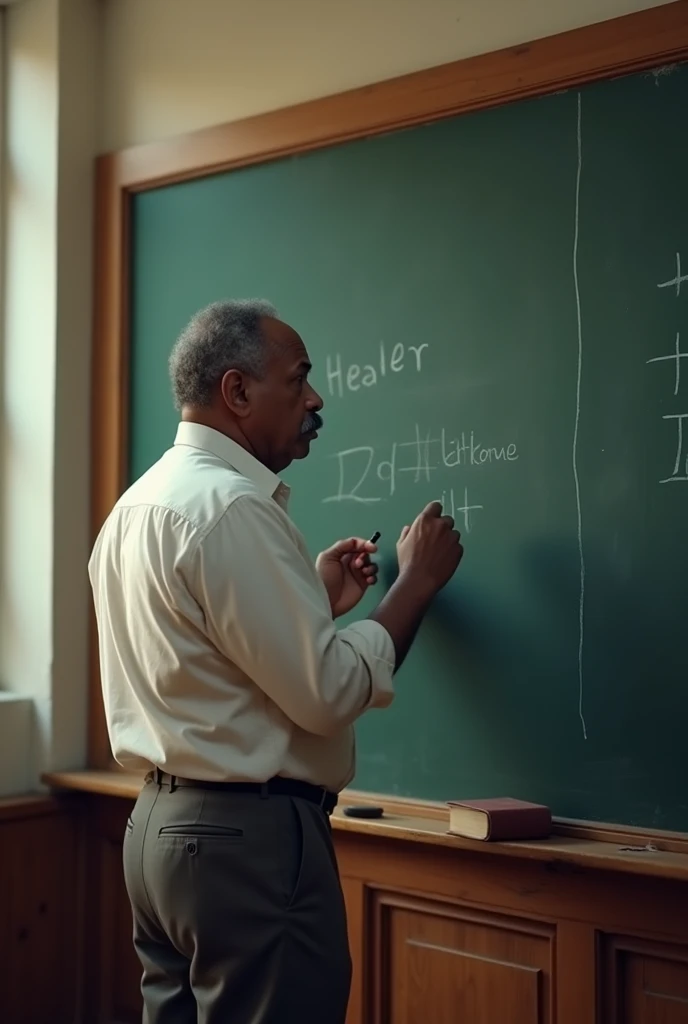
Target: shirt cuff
379	654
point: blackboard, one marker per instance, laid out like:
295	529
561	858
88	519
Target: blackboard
497	309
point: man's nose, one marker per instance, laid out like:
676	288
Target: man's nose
314	401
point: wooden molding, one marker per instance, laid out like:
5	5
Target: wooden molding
109	394
620	46
639	41
124	785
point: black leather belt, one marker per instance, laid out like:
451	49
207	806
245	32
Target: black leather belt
277	785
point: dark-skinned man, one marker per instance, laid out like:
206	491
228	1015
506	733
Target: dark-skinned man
227	680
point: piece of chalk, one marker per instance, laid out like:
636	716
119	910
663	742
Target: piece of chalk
363	812
375	538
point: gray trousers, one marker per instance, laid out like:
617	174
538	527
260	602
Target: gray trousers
238	910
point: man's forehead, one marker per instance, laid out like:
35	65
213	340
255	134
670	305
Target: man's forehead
284	341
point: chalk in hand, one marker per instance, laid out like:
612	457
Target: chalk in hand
365	558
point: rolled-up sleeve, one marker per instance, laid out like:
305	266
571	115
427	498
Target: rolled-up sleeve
266	611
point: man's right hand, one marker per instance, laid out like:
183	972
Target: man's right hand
429	550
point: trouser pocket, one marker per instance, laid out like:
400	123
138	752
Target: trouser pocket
194	831
297	849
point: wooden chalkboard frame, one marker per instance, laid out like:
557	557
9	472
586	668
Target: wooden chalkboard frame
648	39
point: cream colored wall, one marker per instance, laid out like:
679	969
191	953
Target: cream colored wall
170	66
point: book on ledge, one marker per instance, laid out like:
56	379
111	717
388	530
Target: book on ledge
499	819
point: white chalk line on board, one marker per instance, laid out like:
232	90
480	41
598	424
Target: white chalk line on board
579	509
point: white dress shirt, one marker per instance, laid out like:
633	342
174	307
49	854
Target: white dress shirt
219	656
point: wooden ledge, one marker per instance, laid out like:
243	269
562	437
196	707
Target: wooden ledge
576	843
102	783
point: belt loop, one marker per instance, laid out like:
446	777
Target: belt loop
173	783
158	776
264	791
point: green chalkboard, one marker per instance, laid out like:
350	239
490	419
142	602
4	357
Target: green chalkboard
497	309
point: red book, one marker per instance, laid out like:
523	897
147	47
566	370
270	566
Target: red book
499	818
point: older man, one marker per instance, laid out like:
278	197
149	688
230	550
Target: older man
225	677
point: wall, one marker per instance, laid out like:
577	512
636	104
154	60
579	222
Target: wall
170	66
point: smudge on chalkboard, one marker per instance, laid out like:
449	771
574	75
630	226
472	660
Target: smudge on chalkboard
663	72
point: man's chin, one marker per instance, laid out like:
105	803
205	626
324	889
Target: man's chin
303	445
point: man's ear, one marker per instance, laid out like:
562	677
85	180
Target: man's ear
235	392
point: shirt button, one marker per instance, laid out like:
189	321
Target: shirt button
191	848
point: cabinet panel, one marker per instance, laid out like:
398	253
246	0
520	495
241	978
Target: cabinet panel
121	999
112	969
39	915
355	897
441	962
645	982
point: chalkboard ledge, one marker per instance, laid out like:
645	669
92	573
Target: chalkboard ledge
578	843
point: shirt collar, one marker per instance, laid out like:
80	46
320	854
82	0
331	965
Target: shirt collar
195	435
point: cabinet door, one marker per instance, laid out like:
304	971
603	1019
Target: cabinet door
443	963
645	982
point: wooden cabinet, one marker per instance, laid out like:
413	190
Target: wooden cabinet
644	982
444	935
467	965
439	933
40	912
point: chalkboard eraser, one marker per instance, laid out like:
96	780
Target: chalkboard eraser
364	812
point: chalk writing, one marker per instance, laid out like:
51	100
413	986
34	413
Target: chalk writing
576	424
421	448
681	463
680	473
678	280
360	468
467	451
676	356
362	455
341	378
450	507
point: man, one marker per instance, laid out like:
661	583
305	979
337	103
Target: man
225	677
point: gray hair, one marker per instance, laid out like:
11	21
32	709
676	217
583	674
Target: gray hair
223	336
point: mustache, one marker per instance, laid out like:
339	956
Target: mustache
312	422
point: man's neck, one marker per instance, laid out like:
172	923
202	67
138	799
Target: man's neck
207	418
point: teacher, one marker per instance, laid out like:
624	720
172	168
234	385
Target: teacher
226	679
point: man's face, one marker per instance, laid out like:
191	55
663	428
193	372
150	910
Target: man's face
283	417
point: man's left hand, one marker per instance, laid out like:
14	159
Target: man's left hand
347	572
